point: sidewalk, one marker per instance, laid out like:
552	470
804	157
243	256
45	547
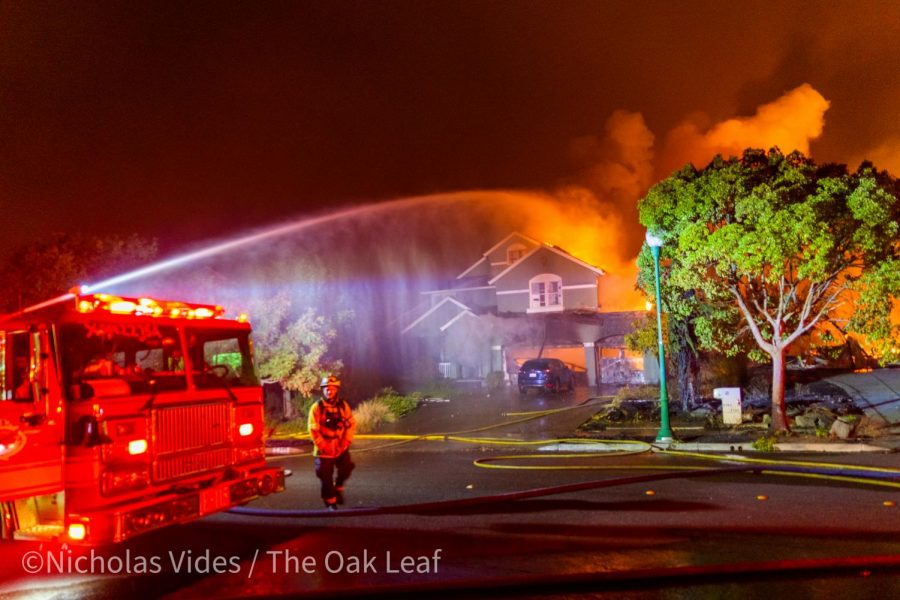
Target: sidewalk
692	438
471	412
744	446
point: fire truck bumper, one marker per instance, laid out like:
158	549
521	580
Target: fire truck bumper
120	523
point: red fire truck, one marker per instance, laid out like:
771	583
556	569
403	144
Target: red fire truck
123	415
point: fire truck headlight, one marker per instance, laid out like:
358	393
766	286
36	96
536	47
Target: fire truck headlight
245	429
77	531
136	447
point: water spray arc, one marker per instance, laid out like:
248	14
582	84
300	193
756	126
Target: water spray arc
248	239
253	238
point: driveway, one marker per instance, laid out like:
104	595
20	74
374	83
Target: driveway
478	409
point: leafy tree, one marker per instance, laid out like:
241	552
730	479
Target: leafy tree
766	249
47	268
678	335
292	351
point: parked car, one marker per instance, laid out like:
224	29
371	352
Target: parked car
546	374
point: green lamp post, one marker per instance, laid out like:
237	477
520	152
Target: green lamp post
665	433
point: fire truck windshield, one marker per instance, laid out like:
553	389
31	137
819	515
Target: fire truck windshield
106	359
220	355
119	359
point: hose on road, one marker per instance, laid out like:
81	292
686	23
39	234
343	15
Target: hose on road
881	477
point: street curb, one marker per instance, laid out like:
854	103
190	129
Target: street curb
747	446
726	447
275	449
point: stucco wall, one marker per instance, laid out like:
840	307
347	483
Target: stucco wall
482	298
499	255
513	288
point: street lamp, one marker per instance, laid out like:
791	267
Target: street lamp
665	434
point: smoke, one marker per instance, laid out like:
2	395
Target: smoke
885	156
375	260
595	217
789	122
577	221
619	165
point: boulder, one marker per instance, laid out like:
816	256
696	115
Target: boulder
806	421
867	427
841	429
824	419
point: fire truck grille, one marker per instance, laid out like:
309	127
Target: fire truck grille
180	466
181	428
191	439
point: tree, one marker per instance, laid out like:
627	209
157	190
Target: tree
678	334
47	268
767	249
290	350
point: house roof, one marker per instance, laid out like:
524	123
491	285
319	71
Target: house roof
462	307
494	247
537	249
464	313
479	282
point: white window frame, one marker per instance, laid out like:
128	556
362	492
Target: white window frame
515	252
542	297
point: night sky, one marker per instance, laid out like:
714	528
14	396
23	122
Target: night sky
183	121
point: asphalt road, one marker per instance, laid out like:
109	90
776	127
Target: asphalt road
632	539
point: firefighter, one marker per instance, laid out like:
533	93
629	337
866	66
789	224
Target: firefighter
332	426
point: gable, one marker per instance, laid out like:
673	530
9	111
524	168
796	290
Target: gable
438	315
496	259
547	259
466	314
499	256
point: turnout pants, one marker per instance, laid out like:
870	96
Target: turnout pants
325	471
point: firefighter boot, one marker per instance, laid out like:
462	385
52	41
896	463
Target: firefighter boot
340	494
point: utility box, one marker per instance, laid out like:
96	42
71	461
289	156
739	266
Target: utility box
731	404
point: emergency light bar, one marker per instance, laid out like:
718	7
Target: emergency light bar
146	307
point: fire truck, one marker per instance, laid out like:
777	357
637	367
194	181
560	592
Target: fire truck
119	416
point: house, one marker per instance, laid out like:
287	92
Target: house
524	298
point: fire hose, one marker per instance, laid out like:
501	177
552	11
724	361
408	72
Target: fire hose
881	477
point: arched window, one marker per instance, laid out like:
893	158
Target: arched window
514	252
546	292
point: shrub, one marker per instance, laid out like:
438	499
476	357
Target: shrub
398	404
303	406
280	427
637	392
372	413
385	407
295	426
765	444
438	388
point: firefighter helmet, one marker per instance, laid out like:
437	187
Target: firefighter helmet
331	380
